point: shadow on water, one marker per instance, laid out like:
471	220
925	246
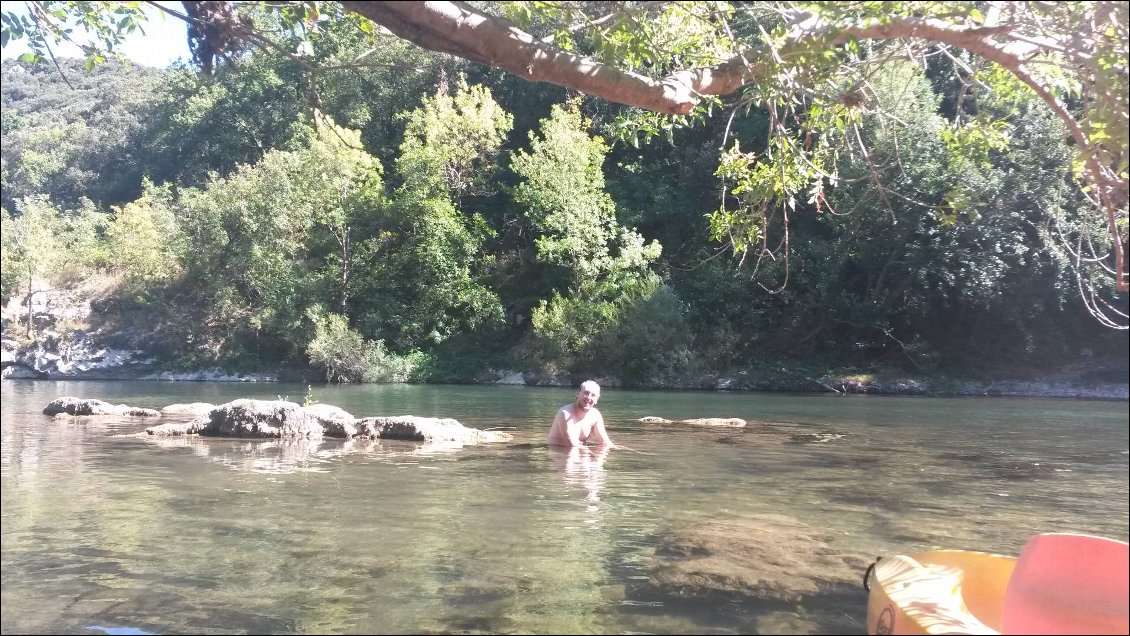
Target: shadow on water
831	611
117	631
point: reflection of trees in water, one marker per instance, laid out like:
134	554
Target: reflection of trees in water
400	537
72	531
547	569
57	443
51	498
510	543
193	443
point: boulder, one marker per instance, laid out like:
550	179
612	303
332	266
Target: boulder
262	418
83	406
335	422
770	557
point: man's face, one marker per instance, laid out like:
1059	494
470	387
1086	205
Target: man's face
587	398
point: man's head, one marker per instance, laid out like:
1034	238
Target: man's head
588	395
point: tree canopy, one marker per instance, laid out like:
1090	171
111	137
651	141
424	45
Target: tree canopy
812	66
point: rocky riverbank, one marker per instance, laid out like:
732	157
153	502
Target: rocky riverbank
100	363
58	349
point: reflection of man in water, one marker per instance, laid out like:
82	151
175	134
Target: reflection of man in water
582	466
576	423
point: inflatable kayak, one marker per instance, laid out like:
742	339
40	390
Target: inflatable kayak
1060	584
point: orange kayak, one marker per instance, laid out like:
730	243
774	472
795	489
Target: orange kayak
1060	584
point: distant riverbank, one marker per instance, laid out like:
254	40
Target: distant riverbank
55	353
1079	384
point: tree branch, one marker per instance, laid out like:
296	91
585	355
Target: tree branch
461	30
458	29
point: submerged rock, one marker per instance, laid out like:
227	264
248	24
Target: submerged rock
179	428
771	557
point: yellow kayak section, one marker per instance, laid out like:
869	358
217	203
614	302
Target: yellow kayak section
938	592
1062	583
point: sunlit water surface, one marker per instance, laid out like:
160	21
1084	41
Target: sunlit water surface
106	531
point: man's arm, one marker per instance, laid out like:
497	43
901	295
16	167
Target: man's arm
602	437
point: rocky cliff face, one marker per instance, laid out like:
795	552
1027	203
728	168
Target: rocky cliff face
60	342
63	343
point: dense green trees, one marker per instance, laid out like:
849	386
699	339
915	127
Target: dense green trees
76	135
808	64
596	269
296	211
422	285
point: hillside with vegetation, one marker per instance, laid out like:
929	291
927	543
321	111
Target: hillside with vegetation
426	219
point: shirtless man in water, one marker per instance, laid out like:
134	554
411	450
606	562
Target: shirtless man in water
578	422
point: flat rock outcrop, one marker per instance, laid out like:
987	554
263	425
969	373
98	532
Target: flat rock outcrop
731	422
194	409
336	422
179	428
287	420
426	429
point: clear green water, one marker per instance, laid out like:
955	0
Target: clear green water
104	530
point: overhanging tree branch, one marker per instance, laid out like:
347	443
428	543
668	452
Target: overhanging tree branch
461	30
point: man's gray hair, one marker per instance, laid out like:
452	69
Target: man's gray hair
591	386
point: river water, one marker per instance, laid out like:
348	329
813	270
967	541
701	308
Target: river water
108	531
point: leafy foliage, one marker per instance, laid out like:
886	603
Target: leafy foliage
598	264
421	279
451	143
79	141
878	213
49	24
348	358
251	235
563	195
142	239
206	124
